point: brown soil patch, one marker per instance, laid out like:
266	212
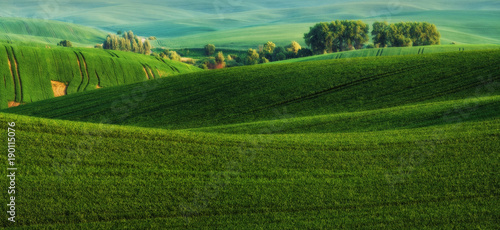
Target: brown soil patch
59	88
186	59
13	104
98	87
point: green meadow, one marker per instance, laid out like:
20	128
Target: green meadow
380	142
27	71
380	138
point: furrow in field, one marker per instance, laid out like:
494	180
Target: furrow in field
98	80
145	71
18	74
81	71
336	88
86	70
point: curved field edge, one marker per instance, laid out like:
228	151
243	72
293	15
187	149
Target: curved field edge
48	32
27	72
95	175
394	51
266	92
401	117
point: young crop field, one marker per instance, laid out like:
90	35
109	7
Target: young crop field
33	73
252	93
378	142
95	176
394	51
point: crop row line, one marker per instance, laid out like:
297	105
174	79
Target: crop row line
335	88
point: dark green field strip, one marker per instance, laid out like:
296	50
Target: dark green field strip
154	176
34	68
258	93
414	116
393	51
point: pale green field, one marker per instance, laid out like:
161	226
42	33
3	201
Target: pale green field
242	25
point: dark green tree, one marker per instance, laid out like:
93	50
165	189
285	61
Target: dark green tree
65	43
380	34
252	57
319	38
209	49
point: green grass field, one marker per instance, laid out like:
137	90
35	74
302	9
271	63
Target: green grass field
393	51
27	72
243	25
48	32
382	142
237	95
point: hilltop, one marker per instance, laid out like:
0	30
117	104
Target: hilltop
32	74
47	32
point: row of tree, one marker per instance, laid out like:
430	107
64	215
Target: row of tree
342	35
405	34
337	36
127	42
267	52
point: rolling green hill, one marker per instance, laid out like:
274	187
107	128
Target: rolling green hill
48	32
381	142
252	93
243	25
393	51
37	73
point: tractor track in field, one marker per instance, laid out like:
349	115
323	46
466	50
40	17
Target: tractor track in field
11	71
18	74
81	71
335	88
145	71
98	79
86	70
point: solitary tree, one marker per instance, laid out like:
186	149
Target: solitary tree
209	49
65	43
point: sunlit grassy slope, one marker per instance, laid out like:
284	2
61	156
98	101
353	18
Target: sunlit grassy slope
248	94
393	51
385	143
48	32
27	72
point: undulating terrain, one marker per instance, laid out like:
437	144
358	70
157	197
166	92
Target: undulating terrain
374	138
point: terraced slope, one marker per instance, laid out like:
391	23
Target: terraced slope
251	94
31	74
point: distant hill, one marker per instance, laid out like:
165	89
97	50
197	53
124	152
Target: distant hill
48	32
37	73
246	24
